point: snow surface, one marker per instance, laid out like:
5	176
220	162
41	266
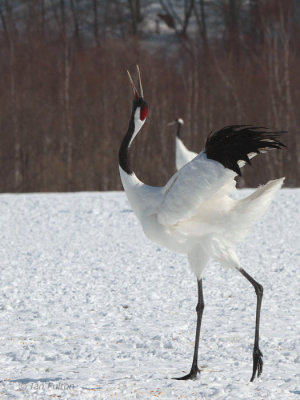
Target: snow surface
90	309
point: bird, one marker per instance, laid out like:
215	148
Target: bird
193	213
183	155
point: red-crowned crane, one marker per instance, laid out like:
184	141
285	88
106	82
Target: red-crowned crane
183	155
193	213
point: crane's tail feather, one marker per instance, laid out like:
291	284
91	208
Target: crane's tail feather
234	145
250	209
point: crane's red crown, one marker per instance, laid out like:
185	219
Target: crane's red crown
143	112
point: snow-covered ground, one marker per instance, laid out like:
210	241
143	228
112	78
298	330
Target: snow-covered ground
90	309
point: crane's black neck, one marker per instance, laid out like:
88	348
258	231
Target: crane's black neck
140	105
124	148
178	130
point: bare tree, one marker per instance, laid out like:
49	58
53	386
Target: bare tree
201	21
67	110
181	20
64	108
96	22
135	12
10	30
74	10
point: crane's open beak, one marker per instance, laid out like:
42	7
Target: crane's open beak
135	92
178	121
172	123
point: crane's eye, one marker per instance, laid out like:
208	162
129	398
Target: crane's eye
143	113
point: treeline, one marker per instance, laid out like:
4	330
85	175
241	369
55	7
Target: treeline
65	99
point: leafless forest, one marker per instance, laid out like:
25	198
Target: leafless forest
65	99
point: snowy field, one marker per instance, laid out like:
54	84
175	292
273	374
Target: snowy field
90	309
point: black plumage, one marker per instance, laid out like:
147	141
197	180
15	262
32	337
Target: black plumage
234	143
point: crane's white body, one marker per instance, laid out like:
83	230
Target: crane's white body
194	214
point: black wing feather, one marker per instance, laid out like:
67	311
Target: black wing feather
234	143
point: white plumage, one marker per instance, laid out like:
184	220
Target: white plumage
194	213
195	207
183	155
233	218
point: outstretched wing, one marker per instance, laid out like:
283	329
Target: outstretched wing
235	143
207	173
193	184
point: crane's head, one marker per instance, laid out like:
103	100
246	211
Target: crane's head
178	121
139	106
137	120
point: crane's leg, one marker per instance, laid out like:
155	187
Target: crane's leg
257	354
199	309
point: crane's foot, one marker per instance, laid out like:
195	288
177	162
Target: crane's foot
192	375
257	363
